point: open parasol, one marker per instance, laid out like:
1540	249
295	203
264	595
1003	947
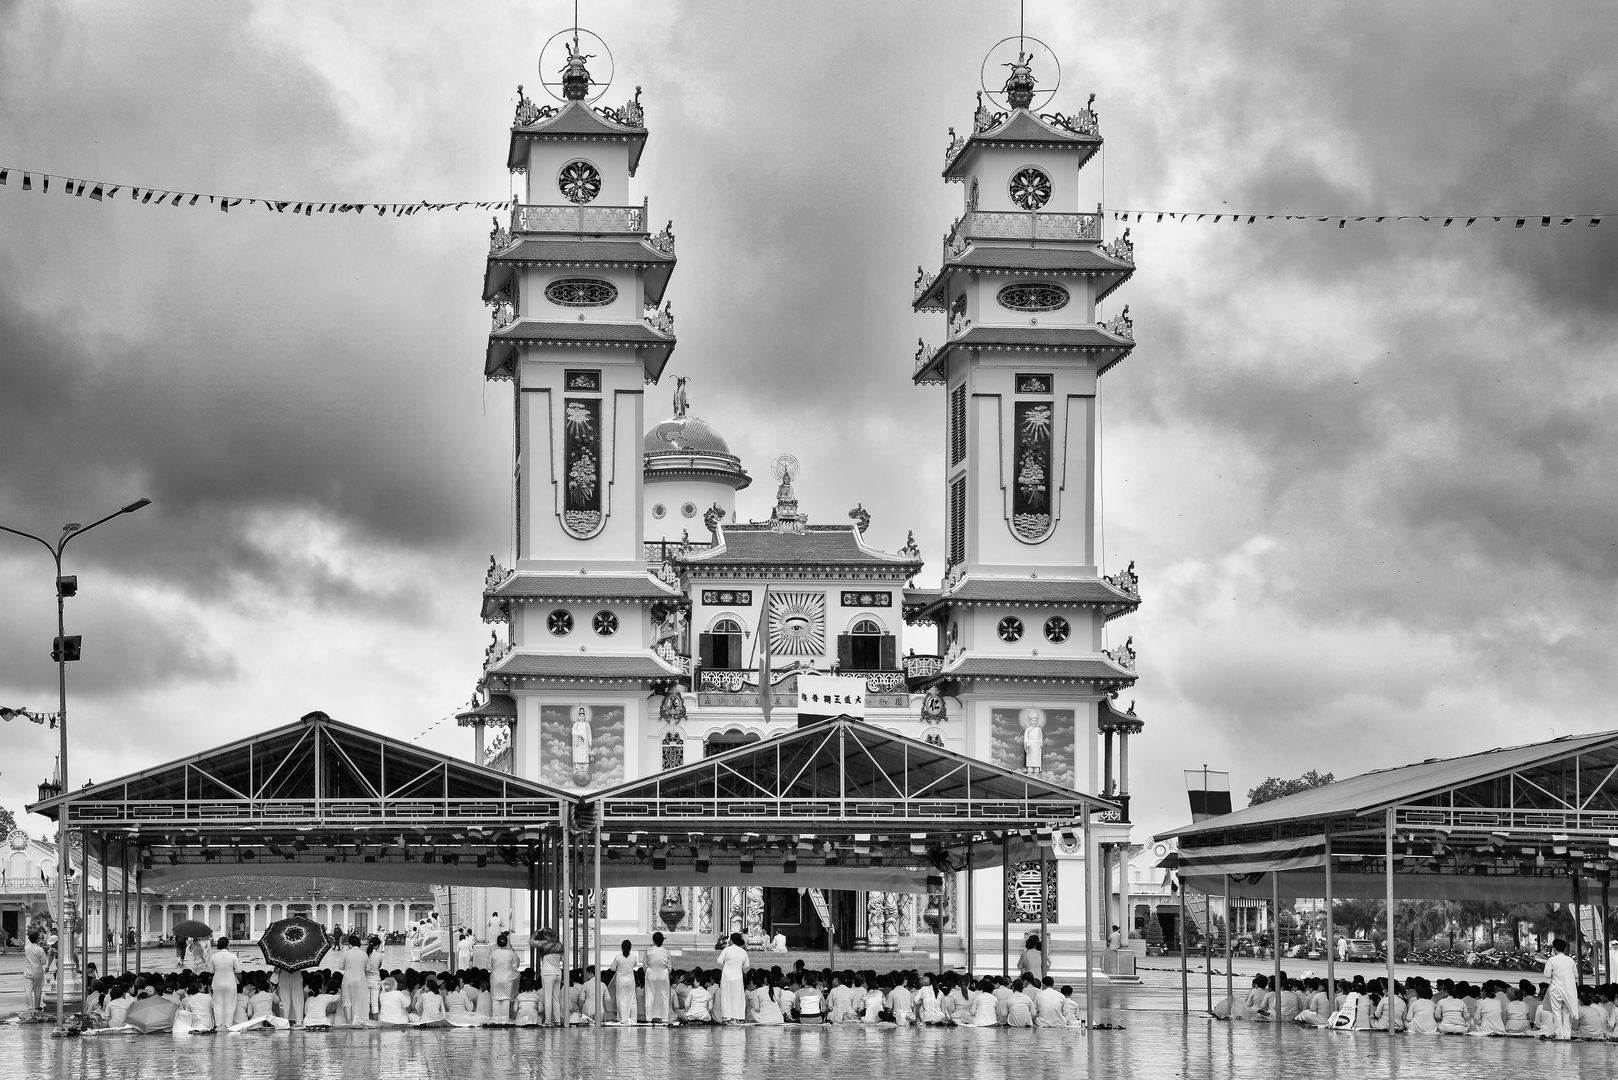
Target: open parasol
152	1014
193	929
294	943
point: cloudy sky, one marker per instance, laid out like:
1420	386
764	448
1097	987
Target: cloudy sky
1364	473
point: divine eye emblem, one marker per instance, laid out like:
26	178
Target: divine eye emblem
580	182
559	623
605	623
1010	629
1030	188
1033	296
581	292
1056	629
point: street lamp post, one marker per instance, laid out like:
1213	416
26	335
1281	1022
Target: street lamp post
65	587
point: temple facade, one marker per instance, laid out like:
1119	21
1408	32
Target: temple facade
641	625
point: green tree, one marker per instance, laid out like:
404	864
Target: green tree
1361	918
1276	788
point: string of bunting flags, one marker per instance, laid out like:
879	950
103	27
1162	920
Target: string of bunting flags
29	180
1519	220
9	714
32	180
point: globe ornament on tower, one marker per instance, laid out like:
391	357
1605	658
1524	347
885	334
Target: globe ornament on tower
564	65
1023	59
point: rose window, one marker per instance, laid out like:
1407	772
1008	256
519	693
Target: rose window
1030	188
580	182
1010	629
581	292
1033	296
605	623
559	623
1056	629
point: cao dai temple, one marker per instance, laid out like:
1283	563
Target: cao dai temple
710	719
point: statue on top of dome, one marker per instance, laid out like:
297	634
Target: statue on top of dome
575	76
682	404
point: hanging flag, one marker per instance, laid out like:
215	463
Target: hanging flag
761	635
1209	792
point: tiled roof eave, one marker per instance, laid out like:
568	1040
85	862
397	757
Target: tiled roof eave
933	371
933	298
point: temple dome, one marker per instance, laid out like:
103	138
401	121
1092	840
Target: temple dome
687	448
685	434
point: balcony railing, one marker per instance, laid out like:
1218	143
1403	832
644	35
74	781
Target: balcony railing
745	680
1019	225
588	220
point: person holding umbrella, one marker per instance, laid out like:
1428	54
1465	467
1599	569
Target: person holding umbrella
291	946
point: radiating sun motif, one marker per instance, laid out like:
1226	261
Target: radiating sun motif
797	624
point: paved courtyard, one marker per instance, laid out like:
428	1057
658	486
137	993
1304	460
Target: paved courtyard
1152	1045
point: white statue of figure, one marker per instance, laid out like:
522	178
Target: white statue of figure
582	739
1033	738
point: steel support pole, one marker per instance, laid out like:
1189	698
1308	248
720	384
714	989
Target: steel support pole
1207	942
1331	937
1044	916
831	931
1185	972
84	915
106	916
1005	905
140	917
1230	977
123	907
564	916
971	909
1578	927
1089	930
1388	873
942	896
1606	944
449	933
1275	939
598	901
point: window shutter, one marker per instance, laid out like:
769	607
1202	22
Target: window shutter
957	425
956	536
845	652
890	653
705	650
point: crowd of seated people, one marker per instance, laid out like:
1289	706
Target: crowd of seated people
1423	1007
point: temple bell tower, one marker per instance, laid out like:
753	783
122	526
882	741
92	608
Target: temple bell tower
1023	603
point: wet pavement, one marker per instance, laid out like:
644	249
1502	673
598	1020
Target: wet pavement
1152	1045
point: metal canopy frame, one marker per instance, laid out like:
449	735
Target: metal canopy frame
840	803
312	797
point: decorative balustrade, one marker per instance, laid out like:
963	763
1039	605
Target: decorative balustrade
661	319
1121	325
885	682
922	666
1083	122
722	682
1125	580
924	355
588	219
664	241
1123	655
1019	225
1122	249
924	281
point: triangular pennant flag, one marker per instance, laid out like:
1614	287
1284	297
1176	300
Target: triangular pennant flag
72	188
3	173
1250	218
27	182
148	197
193	201
1544	223
1520	222
134	192
178	195
96	193
45	182
1448	222
1567	221
1341	222
1594	222
1469	222
381	210
113	191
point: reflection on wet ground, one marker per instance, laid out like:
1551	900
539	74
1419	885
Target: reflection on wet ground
1151	1045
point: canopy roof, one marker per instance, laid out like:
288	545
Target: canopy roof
1518	823
830	803
318	796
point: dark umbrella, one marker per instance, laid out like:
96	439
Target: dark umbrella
191	928
294	944
152	1014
